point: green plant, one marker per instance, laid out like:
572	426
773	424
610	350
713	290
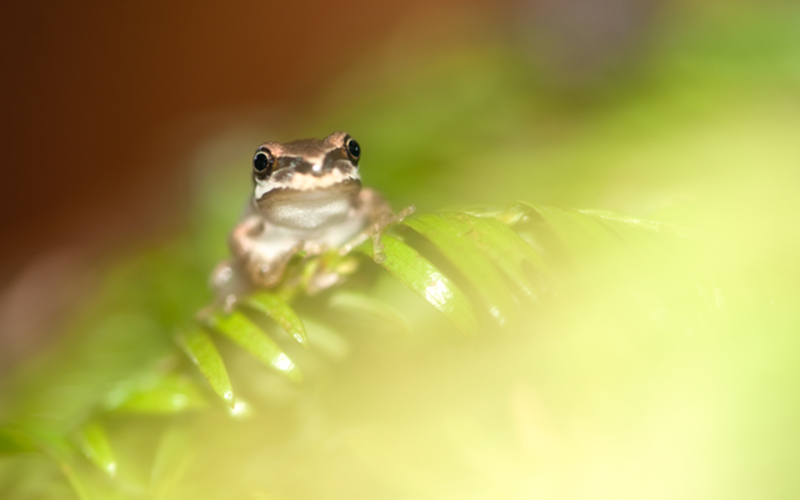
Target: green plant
503	277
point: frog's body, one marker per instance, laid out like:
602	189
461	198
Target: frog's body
307	198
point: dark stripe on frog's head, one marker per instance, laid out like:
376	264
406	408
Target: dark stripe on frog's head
304	164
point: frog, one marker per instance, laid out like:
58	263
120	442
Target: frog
307	199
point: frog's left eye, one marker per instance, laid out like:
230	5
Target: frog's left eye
353	149
262	162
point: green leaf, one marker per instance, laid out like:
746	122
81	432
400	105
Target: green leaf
467	256
365	309
197	345
592	232
513	255
238	327
636	230
62	452
326	340
620	220
76	481
172	460
160	394
278	309
580	233
93	442
586	232
422	278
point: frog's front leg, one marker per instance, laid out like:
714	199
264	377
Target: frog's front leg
380	216
262	257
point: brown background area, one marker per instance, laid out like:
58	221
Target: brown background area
89	89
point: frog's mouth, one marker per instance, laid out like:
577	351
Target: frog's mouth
309	209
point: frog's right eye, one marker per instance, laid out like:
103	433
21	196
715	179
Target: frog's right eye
262	163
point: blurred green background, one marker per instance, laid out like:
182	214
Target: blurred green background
660	371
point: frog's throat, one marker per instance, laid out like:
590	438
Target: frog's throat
310	209
306	182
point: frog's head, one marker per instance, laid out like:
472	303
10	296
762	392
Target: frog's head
305	165
298	176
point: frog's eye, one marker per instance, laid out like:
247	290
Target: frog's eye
262	162
353	149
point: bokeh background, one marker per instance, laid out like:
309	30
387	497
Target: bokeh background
128	127
106	105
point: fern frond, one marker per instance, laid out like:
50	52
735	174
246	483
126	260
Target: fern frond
504	258
479	244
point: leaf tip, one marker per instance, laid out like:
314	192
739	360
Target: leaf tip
241	410
227	396
301	339
283	364
111	469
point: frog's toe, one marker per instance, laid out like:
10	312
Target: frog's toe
402	214
377	245
229	302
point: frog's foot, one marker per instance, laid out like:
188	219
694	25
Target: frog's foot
227	283
323	279
386	220
226	303
267	274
